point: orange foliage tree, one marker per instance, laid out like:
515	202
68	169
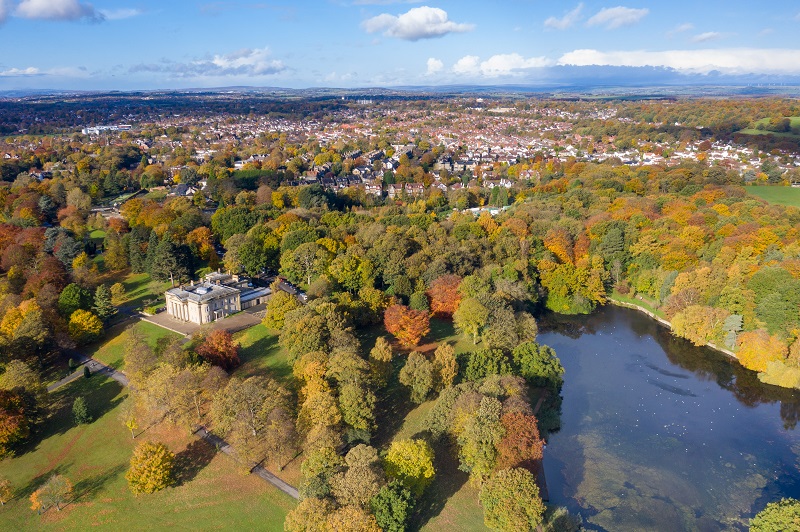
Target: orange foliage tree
219	349
521	445
444	296
407	325
757	348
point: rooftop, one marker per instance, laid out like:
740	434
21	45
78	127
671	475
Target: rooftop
202	292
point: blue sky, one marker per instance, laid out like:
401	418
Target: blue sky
147	44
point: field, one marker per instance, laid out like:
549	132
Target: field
210	493
110	349
776	194
795	122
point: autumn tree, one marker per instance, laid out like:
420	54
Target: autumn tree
55	492
758	348
411	462
351	519
445	366
407	325
310	515
361	480
219	349
152	468
279	304
444	296
521	445
418	375
84	327
511	501
6	491
15	423
700	324
380	362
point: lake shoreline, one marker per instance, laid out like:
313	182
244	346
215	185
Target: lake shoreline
668	325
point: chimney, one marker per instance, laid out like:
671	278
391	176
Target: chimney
192	282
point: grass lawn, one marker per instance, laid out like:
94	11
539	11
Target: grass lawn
795	122
776	194
262	355
210	493
643	302
111	349
97	236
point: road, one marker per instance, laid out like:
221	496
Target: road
95	366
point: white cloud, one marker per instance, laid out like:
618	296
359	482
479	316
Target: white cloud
57	10
567	21
725	60
469	64
434	66
245	62
120	14
683	28
498	65
615	17
19	72
72	72
707	36
418	23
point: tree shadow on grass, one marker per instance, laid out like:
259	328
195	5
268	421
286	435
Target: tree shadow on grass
86	488
447	482
394	406
190	461
24	492
101	394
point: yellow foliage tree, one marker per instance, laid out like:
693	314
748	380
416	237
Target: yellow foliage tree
151	469
84	326
758	348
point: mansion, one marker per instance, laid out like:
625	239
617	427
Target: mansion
217	296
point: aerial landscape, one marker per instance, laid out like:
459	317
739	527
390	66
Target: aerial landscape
395	265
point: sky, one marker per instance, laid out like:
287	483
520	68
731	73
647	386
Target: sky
172	44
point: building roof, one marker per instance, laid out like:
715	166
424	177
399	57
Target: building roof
201	292
250	294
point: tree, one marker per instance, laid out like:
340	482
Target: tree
445	366
471	317
152	468
84	327
411	462
351	519
361	480
511	501
407	325
6	491
521	444
115	256
72	298
55	492
699	324
103	307
444	295
280	304
479	439
117	293
380	362
392	506
758	348
485	362
539	365
780	515
417	374
15	424
80	411
311	515
219	349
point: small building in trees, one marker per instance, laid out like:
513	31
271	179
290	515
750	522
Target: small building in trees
217	296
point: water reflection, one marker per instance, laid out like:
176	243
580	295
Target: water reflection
659	434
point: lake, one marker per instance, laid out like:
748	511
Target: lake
657	434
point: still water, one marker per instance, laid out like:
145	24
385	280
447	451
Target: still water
657	434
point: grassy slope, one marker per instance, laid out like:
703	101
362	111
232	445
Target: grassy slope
95	457
795	122
776	194
110	350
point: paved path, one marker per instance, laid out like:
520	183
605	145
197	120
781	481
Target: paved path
258	470
95	366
